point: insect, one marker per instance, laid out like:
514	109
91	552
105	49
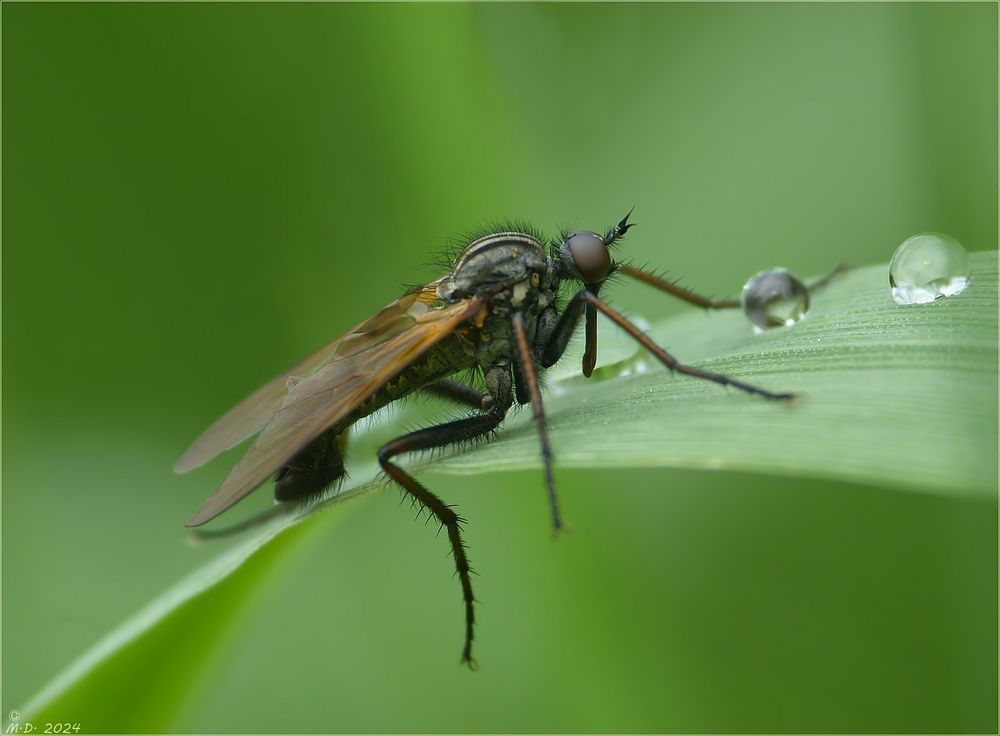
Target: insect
502	311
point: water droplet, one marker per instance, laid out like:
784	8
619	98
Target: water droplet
774	298
926	267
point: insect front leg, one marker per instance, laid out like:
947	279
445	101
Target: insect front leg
841	268
666	358
498	383
675	289
565	327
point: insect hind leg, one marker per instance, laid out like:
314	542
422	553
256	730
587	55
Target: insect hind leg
460	393
498	380
314	468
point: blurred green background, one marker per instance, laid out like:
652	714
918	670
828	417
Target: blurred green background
194	196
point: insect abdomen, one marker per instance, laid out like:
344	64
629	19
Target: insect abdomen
313	468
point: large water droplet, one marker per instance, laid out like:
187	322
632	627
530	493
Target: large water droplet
774	298
926	267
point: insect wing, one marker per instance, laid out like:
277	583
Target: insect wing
329	394
250	415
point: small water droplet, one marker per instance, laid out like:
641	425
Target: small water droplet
926	267
774	298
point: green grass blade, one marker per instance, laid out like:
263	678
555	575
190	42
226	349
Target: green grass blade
897	396
904	397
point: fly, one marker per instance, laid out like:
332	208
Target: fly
497	312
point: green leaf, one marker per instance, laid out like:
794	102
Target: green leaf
902	397
896	396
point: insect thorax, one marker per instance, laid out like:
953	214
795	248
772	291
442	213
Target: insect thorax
493	260
513	271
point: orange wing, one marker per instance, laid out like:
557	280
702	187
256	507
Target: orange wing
250	415
358	365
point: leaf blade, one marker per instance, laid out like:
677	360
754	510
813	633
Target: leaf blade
881	384
861	361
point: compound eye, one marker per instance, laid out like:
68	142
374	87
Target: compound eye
590	255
